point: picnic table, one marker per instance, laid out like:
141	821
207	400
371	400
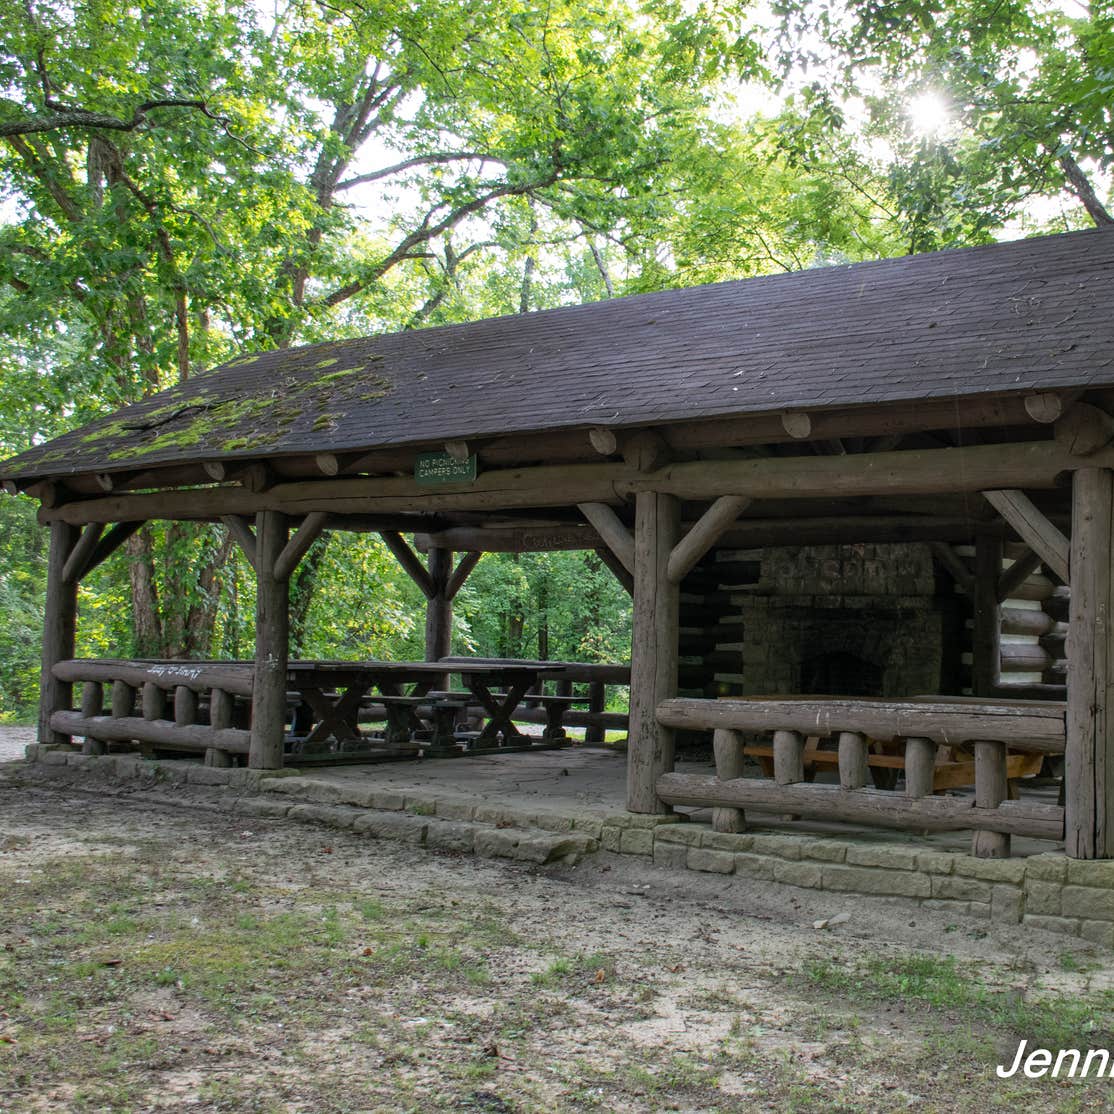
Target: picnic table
332	694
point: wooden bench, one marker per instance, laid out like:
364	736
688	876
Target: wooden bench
443	710
555	708
402	718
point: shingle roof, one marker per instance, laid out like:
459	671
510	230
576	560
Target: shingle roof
1033	314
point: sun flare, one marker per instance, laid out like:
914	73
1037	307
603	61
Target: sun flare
928	113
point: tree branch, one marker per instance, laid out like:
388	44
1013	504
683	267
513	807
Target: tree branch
1082	188
37	162
426	232
420	160
83	118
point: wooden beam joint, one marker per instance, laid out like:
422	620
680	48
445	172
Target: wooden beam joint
298	545
704	534
1033	528
612	530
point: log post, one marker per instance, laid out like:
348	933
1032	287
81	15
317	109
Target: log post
220	717
123	700
991	789
852	760
1089	758
728	747
185	706
153	701
654	648
439	611
920	766
59	629
92	704
789	757
272	639
986	636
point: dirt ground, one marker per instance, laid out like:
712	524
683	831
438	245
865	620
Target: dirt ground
177	959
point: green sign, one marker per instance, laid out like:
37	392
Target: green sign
440	468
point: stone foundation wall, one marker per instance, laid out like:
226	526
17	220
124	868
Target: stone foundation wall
1049	892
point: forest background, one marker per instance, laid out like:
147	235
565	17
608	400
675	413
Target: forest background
187	181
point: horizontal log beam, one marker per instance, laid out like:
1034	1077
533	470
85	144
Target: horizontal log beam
507	489
863	806
158	732
374	523
1017	620
610	673
1035	464
888	422
913	472
511	539
199	676
884	423
750	533
1023	727
1024	657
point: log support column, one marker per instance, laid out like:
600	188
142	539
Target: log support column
1089	764
272	639
439	606
653	649
59	629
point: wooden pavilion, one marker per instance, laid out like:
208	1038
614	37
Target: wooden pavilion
939	401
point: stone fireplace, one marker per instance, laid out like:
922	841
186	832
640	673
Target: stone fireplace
850	620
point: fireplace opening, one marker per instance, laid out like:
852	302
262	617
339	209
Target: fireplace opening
840	673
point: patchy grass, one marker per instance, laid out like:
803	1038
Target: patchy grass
940	983
153	962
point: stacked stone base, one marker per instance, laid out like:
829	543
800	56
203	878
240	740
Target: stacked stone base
1048	892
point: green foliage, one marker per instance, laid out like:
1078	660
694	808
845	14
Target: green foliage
559	606
364	605
200	180
1024	92
22	581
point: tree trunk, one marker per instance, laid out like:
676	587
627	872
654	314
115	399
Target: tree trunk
145	597
303	585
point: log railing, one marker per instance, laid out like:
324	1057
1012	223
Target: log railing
204	706
186	706
920	726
